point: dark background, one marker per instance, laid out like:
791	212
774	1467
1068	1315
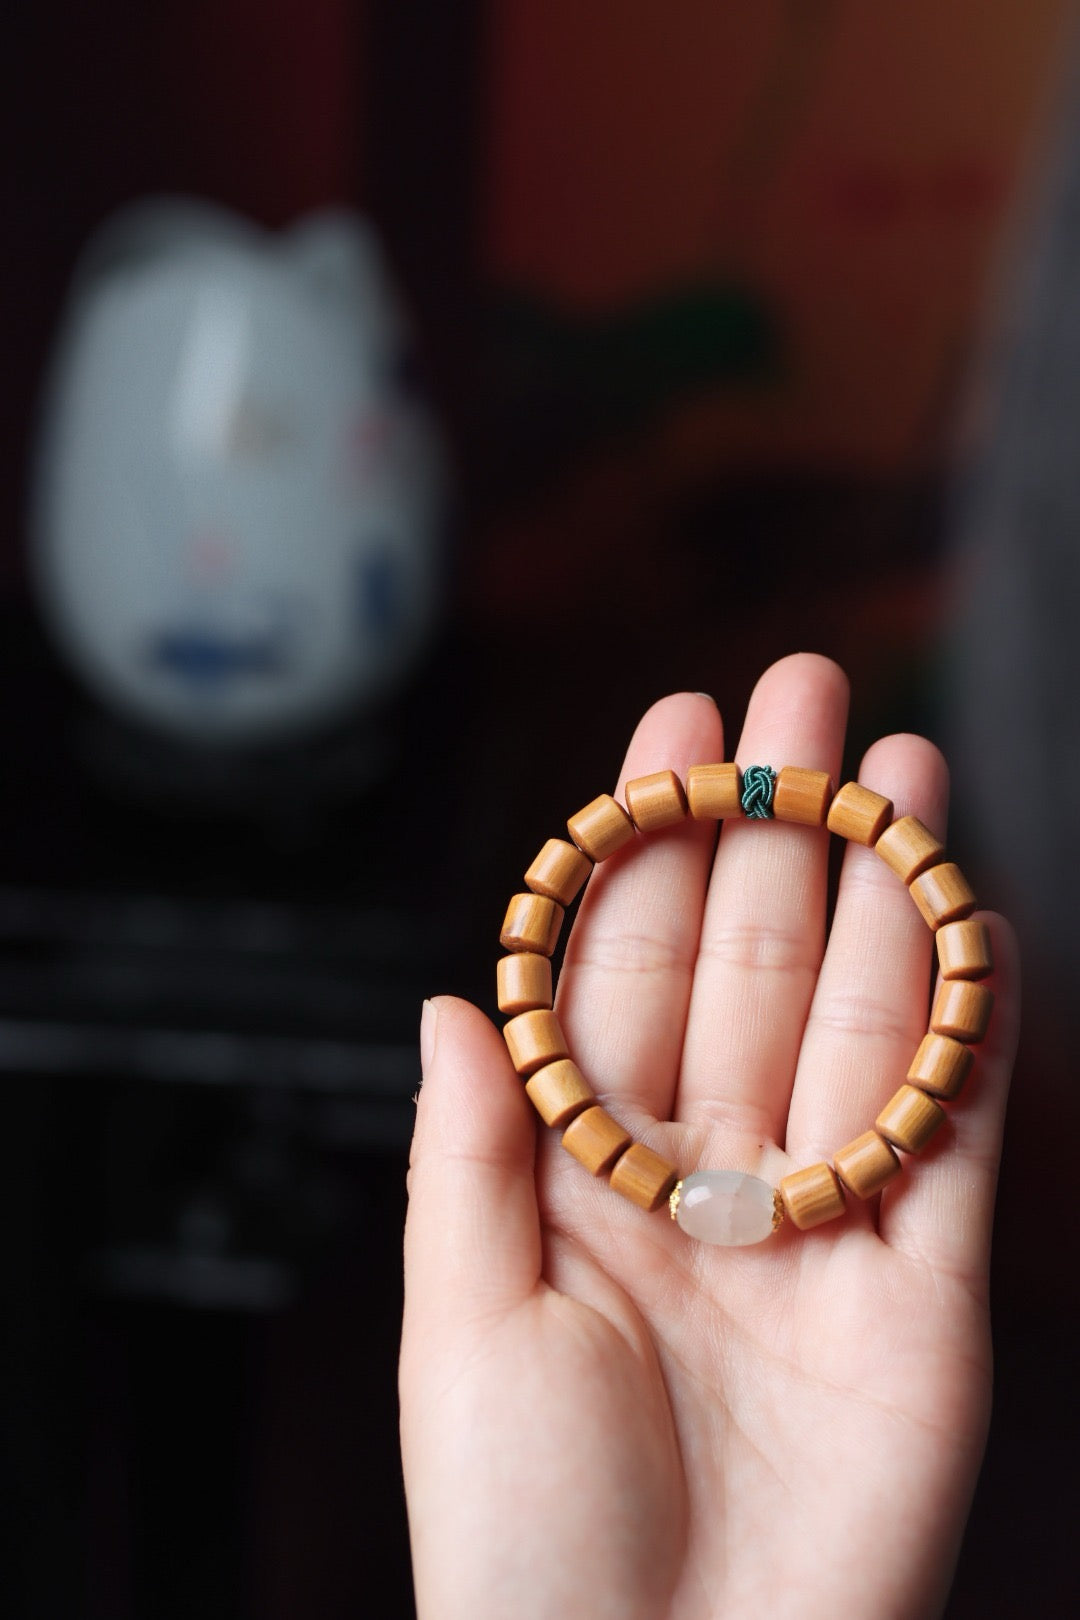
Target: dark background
208	999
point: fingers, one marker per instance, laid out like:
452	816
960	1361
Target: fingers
472	1236
870	1007
625	982
763	930
941	1210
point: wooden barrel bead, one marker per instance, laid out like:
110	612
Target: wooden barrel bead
941	1065
532	923
601	827
909	848
655	801
942	894
643	1176
802	796
866	1164
858	814
534	1038
523	981
812	1196
714	792
962	1010
558	871
558	1091
963	950
909	1119
596	1140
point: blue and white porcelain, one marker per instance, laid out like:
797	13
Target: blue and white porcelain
239	499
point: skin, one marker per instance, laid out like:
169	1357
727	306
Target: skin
602	1417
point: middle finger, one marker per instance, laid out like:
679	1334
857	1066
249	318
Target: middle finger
764	927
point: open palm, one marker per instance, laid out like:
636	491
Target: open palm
601	1417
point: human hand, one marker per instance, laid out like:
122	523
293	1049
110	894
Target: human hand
602	1417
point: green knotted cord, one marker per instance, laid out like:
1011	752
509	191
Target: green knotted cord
757	793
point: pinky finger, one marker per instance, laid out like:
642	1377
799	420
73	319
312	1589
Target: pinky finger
942	1213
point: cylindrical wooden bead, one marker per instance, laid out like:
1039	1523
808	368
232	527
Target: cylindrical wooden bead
909	1119
866	1164
523	981
909	848
859	814
534	1038
963	950
558	871
714	792
942	894
532	923
941	1065
655	801
962	1010
643	1176
812	1196
558	1091
601	827
596	1140
802	796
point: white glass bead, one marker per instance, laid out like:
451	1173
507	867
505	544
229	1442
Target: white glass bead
726	1207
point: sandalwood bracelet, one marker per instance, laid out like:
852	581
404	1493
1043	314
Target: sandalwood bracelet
728	1206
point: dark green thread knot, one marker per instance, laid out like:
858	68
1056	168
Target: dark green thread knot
757	793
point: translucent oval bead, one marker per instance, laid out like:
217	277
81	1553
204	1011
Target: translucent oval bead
727	1207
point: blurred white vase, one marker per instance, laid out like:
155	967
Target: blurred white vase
239	499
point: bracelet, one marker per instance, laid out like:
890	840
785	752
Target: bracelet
728	1206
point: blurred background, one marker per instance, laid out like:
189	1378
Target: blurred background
399	397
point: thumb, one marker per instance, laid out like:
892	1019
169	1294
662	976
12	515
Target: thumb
472	1236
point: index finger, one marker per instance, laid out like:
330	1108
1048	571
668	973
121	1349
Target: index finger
625	982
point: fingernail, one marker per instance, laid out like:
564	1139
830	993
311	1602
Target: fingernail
708	698
429	1018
